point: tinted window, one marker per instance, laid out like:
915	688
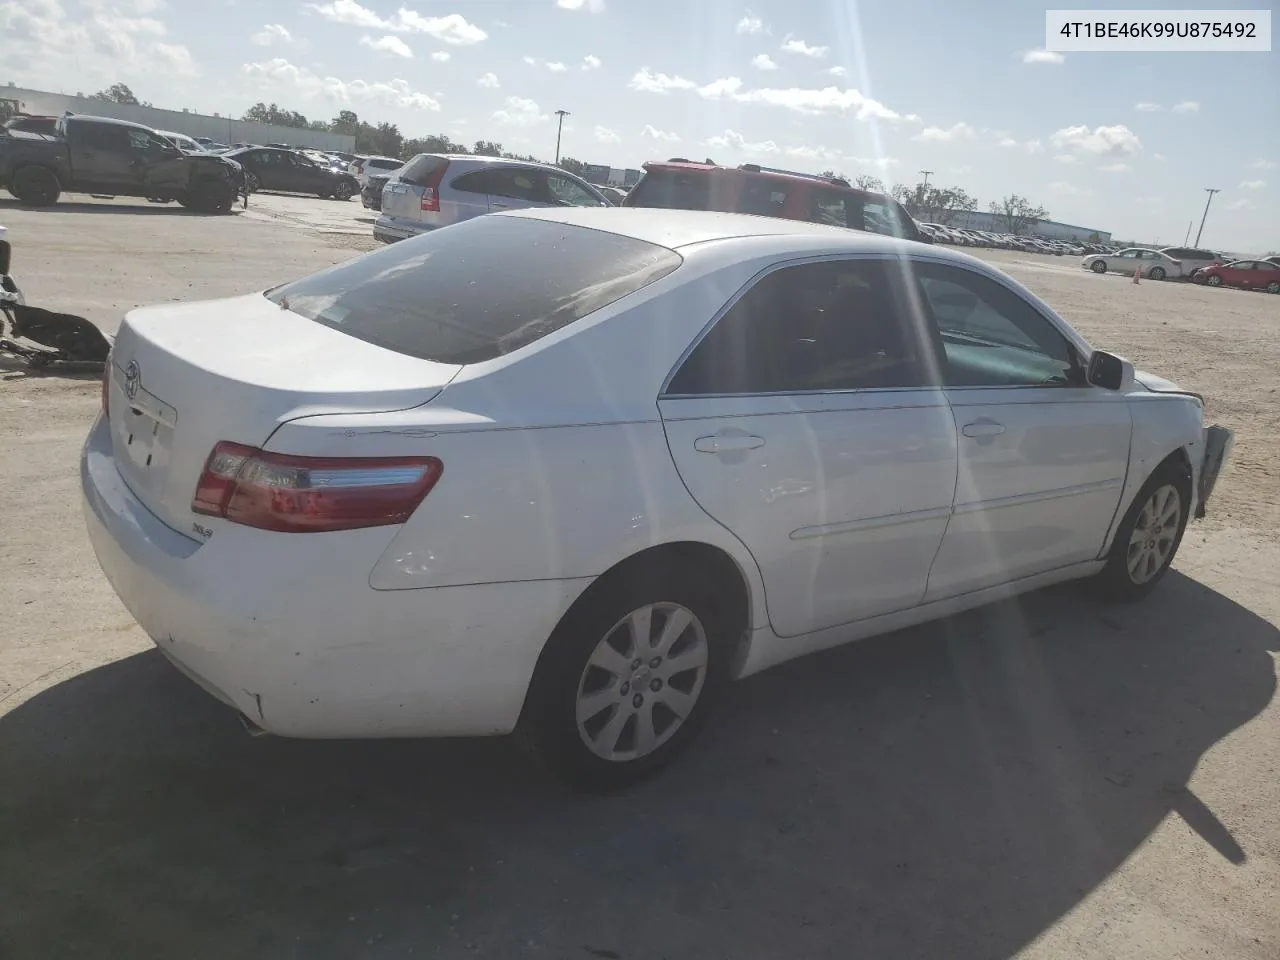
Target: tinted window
103	136
564	192
384	164
828	206
672	190
477	182
990	335
519	184
764	196
835	325
1264	265
434	297
421	168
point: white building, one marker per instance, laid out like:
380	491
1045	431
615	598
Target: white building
223	129
1049	229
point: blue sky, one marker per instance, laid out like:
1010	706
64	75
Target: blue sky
1120	141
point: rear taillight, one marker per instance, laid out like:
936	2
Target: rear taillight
431	189
276	491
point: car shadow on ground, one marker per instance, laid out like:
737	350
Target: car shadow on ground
945	791
19	368
140	207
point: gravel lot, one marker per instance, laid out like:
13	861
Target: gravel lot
1044	778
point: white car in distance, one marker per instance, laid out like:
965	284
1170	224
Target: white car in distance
1151	264
669	449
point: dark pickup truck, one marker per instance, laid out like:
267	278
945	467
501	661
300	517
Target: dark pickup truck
107	157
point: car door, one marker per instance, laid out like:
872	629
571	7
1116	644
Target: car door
306	176
517	188
263	164
1267	275
1042	455
805	423
1239	274
101	156
1126	262
160	168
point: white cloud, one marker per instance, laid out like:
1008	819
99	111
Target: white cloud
1007	142
837	71
749	23
489	81
796	45
531	61
1146	107
283	75
388	44
648	82
825	100
880	163
1035	146
1065	158
1115	168
1252	184
590	62
662	136
763	62
1186	106
1261	164
1157	156
724	87
441	56
452	28
605	135
44	45
732	140
556	66
519	112
1040	55
1113	141
591	6
1241	204
957	131
271	33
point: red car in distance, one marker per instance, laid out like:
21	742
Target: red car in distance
1250	274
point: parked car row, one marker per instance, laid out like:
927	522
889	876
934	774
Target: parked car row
1189	263
963	237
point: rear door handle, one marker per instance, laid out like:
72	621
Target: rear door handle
982	428
727	444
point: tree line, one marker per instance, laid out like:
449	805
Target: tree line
944	205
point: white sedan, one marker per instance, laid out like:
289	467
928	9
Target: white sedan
572	470
1151	264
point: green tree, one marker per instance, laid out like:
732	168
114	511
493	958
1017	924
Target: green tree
345	123
264	113
865	182
119	93
487	148
433	143
1017	213
576	167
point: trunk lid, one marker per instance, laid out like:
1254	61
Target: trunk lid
186	376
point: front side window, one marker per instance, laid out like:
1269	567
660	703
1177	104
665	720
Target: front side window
566	193
518	184
992	337
833	325
828	206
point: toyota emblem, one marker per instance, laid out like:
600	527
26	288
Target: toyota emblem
132	379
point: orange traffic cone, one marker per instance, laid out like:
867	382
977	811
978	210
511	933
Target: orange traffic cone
1137	273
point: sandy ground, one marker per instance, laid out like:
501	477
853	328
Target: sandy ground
1045	778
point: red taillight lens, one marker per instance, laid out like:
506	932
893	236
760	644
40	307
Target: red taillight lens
430	199
276	491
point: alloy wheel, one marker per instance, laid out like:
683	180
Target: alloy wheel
1154	532
641	682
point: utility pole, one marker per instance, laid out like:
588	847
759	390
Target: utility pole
923	188
559	126
1188	236
1211	191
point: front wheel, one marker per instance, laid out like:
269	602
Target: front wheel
343	191
1157	273
628	678
1273	287
1214	280
251	183
1099	266
1148	536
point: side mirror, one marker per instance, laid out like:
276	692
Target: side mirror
1110	372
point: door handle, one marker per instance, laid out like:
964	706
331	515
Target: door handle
499	206
727	444
982	428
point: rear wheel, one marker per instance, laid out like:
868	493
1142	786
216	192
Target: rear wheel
1149	534
36	187
628	677
1099	266
251	183
1273	287
1157	273
343	191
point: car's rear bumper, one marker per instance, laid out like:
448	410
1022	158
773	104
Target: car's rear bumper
1217	443
305	647
390	229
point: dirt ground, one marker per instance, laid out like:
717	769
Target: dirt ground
1045	778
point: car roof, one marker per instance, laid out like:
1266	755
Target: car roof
679	228
108	120
746	171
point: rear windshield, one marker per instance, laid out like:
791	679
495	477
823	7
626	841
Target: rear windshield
478	289
420	168
672	190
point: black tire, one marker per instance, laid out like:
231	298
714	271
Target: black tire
1117	580
210	197
1157	273
36	187
1273	287
1098	266
343	191
549	723
1213	280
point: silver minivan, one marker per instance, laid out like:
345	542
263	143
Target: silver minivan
434	190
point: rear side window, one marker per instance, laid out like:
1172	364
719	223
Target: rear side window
421	168
384	164
434	296
672	190
477	182
764	196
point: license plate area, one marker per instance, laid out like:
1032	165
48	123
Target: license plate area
143	434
